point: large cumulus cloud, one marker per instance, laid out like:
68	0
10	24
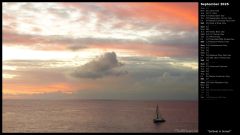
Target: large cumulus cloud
105	65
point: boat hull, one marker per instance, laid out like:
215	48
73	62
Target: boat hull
158	120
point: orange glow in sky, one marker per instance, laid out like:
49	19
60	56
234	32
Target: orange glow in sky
74	47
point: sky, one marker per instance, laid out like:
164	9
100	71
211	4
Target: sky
133	51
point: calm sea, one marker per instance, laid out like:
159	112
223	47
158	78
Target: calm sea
98	116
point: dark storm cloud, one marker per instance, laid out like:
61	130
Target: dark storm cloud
105	65
184	39
155	44
58	42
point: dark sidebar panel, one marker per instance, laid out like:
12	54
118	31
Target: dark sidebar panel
217	53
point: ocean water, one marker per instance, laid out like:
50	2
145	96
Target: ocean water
98	116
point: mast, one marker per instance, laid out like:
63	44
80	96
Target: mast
157	112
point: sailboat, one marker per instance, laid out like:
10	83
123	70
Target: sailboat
158	119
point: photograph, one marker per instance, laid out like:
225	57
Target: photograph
100	67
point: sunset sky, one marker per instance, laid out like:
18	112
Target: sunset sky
100	50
